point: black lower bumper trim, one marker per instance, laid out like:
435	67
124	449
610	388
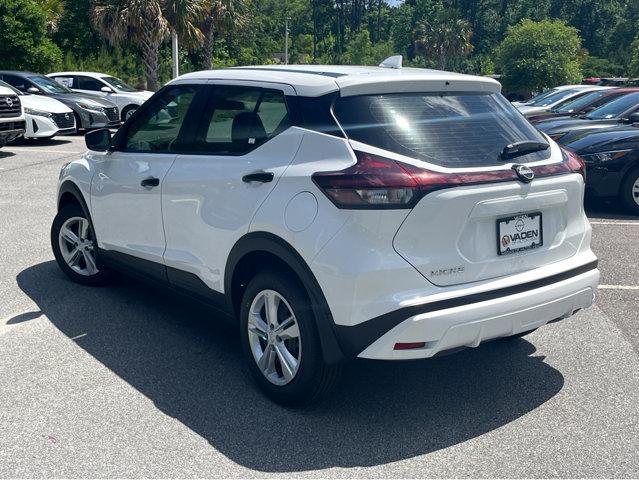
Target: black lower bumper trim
356	339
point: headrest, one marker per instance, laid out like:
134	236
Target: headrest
247	129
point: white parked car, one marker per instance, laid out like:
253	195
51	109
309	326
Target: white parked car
335	212
12	123
127	98
563	94
45	116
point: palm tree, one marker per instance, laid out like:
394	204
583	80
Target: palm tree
183	17
138	21
443	36
54	10
221	16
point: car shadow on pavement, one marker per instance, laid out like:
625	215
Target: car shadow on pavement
190	365
607	208
40	142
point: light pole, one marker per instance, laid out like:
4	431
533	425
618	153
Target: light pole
286	41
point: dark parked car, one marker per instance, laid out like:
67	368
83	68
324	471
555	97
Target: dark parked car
612	163
581	106
90	111
623	110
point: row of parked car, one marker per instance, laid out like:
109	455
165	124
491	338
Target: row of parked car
61	103
601	125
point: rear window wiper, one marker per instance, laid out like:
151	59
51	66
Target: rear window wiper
518	149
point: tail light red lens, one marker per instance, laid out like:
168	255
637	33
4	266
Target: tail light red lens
409	345
377	182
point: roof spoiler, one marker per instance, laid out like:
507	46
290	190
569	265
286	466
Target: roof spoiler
392	62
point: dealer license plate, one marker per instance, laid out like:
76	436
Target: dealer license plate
519	233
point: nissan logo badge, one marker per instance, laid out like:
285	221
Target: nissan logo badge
524	173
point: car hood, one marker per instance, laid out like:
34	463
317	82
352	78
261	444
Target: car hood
616	138
72	98
568	124
44	104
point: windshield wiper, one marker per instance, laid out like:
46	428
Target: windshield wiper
519	149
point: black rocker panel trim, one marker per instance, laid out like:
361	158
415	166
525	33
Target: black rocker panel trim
184	283
354	340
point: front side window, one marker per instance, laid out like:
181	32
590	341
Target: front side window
451	130
158	126
88	83
239	119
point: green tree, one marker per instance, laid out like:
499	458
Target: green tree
538	55
220	17
633	69
24	44
442	36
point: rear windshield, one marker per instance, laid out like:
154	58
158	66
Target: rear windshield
616	107
450	130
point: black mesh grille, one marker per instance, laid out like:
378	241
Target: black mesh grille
9	106
112	114
63	120
12	126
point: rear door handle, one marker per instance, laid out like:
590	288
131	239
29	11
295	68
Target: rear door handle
150	182
262	177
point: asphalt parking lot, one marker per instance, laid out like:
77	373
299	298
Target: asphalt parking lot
123	381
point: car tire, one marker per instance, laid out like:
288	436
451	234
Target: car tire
128	111
284	354
629	192
78	123
74	247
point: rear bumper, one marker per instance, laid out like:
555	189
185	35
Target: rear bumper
468	320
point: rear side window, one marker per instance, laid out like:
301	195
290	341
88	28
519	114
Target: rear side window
240	119
450	130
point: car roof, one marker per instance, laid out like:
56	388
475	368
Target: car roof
86	74
317	80
18	73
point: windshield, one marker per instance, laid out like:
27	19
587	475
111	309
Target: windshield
540	96
14	90
119	84
48	85
578	104
555	97
451	130
615	108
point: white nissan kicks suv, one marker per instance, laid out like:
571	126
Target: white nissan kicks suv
335	212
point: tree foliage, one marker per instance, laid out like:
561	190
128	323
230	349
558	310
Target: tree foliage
537	55
24	44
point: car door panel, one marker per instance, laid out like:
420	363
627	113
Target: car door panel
126	187
207	206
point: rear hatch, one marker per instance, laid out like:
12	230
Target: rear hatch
474	217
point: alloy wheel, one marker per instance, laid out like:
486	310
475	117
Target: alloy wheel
274	337
635	191
77	246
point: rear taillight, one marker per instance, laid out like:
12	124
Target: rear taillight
574	162
378	182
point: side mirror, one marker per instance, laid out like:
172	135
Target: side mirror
33	90
633	118
106	90
589	109
98	140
